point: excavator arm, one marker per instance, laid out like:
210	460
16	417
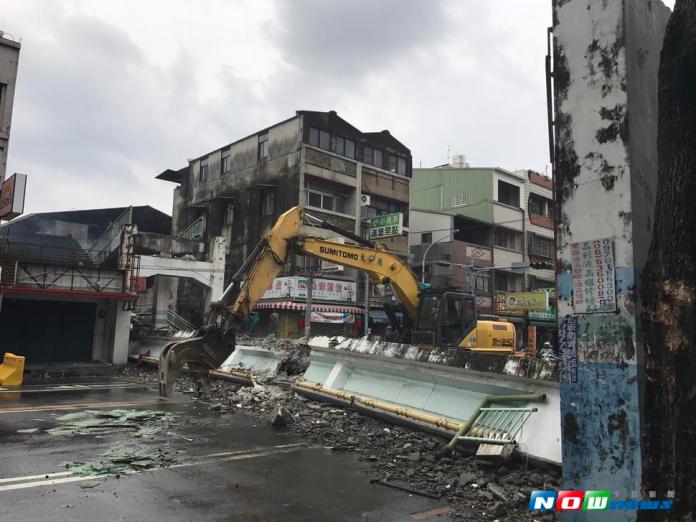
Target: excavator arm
213	343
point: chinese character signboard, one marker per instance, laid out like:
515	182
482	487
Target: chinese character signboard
386	225
522	301
295	287
568	350
594	279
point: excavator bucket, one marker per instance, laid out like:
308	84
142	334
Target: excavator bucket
12	370
201	354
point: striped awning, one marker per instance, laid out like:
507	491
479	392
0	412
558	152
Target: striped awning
316	307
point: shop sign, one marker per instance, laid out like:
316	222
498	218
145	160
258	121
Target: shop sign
332	317
546	315
387	225
295	287
12	196
522	301
594	279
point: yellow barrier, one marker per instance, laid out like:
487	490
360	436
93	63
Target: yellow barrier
12	370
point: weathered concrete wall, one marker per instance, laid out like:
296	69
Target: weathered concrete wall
244	186
605	71
9	61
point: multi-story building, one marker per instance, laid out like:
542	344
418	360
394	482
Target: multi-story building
314	159
9	60
499	218
540	233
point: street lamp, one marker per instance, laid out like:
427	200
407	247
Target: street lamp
425	254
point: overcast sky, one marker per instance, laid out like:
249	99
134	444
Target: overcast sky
111	93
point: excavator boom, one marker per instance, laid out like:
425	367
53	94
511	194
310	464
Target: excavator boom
216	340
441	319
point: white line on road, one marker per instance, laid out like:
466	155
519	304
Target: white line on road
26	482
34	477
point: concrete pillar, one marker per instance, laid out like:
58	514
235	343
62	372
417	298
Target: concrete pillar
606	56
102	329
121	334
217	275
165	292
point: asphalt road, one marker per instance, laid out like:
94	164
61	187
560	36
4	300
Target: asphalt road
226	467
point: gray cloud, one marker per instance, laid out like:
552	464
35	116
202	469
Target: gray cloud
98	114
351	38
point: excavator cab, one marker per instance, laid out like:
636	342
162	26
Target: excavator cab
444	318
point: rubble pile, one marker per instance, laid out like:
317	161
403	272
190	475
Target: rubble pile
400	457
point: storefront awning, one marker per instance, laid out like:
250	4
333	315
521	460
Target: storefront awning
316	307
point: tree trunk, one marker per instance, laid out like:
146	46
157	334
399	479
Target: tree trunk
669	280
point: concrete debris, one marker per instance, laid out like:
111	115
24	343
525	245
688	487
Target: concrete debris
280	416
406	456
90	485
89	422
121	461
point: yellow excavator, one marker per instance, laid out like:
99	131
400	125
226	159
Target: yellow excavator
440	319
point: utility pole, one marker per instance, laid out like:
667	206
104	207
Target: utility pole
308	306
366	322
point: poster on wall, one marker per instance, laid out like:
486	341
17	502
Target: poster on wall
568	350
594	276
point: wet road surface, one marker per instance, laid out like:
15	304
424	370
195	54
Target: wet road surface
226	467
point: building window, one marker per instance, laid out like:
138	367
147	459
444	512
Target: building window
508	194
401	166
505	238
483	280
319	138
203	171
268	203
377	160
427	237
460	200
501	281
324	201
345	147
226	165
392	163
229	214
368	155
263	146
540	246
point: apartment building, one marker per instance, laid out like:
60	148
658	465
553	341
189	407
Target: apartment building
314	159
483	217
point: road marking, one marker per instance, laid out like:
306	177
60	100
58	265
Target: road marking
201	460
77	387
79	406
34	477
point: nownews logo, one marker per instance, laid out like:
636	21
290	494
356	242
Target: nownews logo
590	500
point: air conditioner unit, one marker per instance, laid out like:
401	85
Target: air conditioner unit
364	200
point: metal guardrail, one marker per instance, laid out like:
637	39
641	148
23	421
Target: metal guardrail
178	322
498	425
110	239
195	230
174	320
